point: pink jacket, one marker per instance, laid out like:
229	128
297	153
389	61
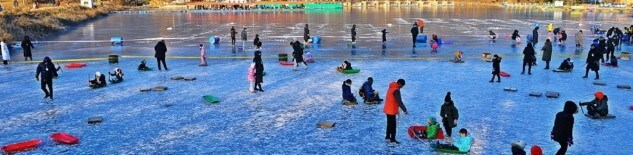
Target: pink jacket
203	52
251	73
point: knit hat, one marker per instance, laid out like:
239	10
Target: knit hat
47	59
98	73
599	95
536	150
520	144
447	97
432	120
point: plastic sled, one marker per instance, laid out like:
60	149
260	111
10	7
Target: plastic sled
510	89
64	138
624	86
75	65
412	129
210	99
551	94
177	78
116	81
21	146
325	124
599	83
562	70
449	151
96	86
536	94
504	74
95	120
145	89
350	71
286	63
455	61
189	78
609	116
159	88
630	107
146	69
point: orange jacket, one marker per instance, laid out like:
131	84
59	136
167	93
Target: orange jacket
391	104
420	23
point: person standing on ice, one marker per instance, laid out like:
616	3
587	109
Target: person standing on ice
259	71
449	114
384	35
203	56
251	78
547	53
528	58
160	50
244	37
535	35
392	107
297	55
564	127
233	33
593	58
6	55
579	39
354	34
516	37
306	33
26	48
257	42
496	68
45	73
414	33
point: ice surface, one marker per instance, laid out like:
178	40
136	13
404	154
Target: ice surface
282	119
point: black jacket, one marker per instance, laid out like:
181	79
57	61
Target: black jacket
528	53
354	31
515	35
160	50
415	31
48	71
495	64
563	36
535	35
564	123
259	67
449	113
26	47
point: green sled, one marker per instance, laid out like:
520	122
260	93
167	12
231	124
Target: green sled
351	71
211	99
450	151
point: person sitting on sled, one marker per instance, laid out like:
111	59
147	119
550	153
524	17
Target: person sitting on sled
462	144
598	106
431	129
345	66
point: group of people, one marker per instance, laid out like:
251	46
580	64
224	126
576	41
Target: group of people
100	81
367	92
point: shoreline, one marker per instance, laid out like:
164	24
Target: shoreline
43	22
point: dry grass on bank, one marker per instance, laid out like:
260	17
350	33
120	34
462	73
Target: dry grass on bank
38	23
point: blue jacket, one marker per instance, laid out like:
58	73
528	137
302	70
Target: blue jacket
463	143
347	93
368	90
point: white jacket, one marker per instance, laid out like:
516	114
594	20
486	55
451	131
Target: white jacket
5	51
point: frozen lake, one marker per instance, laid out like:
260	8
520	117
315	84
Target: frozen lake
283	119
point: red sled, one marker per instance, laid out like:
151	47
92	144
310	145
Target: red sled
631	107
21	146
75	65
504	74
64	138
286	63
412	129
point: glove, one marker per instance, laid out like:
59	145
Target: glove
570	141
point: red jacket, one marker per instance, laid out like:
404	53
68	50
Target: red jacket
393	100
